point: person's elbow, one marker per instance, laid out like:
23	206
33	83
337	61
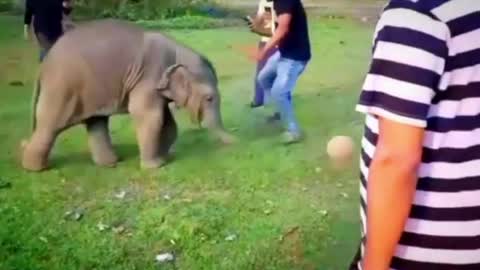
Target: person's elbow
281	32
402	160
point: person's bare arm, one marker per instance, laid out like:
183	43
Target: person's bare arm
284	20
391	189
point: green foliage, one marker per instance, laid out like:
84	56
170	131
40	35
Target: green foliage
188	22
5	5
140	9
133	9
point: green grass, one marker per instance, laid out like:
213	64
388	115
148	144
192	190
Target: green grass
257	189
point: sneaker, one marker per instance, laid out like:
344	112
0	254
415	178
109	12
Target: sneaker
291	137
254	105
273	118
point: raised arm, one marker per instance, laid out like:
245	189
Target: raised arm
284	17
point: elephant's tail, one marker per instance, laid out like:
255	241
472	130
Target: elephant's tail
35	95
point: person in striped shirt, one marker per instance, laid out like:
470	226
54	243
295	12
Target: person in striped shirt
420	157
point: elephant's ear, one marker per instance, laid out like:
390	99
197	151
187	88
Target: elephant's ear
175	84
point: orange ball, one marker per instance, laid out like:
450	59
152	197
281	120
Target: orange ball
340	150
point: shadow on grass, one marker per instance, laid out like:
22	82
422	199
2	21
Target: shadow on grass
63	159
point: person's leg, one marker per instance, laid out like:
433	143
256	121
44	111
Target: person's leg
288	72
266	78
259	99
267	74
44	43
258	95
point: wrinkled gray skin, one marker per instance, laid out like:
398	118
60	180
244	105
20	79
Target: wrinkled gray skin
107	67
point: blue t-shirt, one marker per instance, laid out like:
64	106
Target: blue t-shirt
296	44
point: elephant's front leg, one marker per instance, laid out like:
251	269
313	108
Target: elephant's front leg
37	150
169	132
147	112
100	142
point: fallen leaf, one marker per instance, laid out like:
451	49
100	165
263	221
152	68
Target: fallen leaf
75	215
164	258
119	229
231	237
102	227
289	232
16	83
121	195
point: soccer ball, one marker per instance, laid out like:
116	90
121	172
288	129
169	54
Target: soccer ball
340	150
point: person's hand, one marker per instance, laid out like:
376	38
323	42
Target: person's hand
261	54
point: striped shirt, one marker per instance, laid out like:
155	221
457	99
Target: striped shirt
425	72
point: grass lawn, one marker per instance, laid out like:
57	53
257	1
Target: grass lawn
281	207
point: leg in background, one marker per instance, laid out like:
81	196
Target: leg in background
266	78
258	95
45	44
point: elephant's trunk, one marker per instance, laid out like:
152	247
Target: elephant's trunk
212	120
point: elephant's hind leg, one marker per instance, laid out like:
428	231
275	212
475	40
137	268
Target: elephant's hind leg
169	132
100	142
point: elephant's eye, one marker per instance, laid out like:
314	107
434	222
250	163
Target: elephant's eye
209	98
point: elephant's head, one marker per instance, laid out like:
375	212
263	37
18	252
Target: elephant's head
199	96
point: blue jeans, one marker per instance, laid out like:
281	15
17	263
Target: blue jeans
278	78
259	92
45	44
43	53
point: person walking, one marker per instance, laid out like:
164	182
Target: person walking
281	71
264	25
420	158
47	16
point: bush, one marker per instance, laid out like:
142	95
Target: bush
5	5
142	9
188	22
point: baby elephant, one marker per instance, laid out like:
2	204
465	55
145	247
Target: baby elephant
108	67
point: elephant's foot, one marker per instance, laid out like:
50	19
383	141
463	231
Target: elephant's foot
153	163
226	138
106	160
33	161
